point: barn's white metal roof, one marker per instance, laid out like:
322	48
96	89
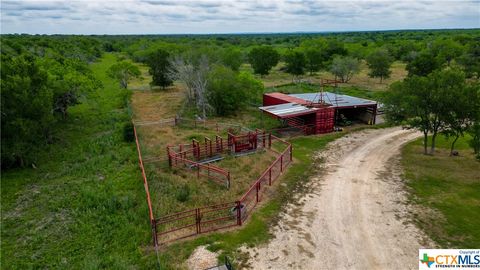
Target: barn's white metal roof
285	109
336	100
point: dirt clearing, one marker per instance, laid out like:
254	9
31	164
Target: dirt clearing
355	215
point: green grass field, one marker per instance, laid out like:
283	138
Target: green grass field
84	206
448	191
360	80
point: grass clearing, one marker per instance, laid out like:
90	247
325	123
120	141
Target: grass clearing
84	206
447	190
360	80
166	184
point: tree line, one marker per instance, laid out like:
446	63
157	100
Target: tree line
41	77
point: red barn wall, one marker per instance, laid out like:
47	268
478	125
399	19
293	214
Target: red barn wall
325	120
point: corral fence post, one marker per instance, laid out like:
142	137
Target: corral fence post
257	188
211	149
198	218
154	232
281	163
239	213
263	139
270	177
169	157
269	140
291	153
228	180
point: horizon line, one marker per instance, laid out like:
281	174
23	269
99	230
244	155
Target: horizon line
254	33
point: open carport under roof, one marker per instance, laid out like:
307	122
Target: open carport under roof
287	110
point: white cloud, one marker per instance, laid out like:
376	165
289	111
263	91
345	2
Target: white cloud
228	16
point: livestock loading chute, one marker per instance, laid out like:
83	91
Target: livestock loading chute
316	113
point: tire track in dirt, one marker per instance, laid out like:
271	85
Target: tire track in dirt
355	215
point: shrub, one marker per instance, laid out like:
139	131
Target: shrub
183	194
128	133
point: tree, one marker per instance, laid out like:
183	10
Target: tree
335	47
123	72
70	80
254	88
474	130
345	67
313	59
26	102
423	64
159	64
379	63
470	60
229	91
232	58
462	107
446	50
225	94
475	141
407	102
426	103
295	63
263	59
195	78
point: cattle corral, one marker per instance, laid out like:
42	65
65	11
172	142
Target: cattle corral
228	171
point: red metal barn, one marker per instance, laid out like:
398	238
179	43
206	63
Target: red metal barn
316	113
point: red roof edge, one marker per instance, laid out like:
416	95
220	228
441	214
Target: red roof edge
287	98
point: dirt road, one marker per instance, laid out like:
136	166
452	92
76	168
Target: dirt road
354	216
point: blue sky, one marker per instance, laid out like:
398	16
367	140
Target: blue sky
228	16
